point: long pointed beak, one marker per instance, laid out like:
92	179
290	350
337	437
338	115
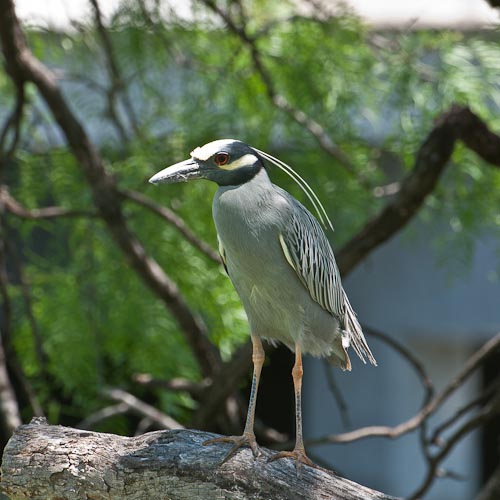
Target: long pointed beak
180	172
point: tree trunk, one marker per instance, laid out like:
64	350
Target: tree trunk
46	462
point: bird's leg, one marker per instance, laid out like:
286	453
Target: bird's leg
299	452
248	437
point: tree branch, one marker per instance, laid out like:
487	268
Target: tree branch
103	414
13	121
408	356
9	361
482	399
459	123
195	389
117	87
9	408
12	206
10	415
486	414
142	409
176	221
43	462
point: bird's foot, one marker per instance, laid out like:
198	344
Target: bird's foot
298	454
247	439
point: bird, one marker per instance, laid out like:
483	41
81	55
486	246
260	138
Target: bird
282	266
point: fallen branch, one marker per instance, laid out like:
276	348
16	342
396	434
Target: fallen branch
45	462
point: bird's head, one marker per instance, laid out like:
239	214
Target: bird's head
227	162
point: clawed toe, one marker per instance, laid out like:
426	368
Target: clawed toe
299	455
238	442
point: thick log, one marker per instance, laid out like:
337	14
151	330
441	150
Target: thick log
47	462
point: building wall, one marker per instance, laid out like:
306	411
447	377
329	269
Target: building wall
442	315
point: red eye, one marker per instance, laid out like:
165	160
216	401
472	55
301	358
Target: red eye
221	158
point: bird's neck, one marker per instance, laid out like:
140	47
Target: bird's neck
254	188
238	176
244	202
244	210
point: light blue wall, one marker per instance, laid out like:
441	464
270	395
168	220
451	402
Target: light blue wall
402	289
443	316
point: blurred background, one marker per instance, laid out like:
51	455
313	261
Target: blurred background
348	93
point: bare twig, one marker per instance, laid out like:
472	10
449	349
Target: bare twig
9	408
175	384
408	356
142	409
176	221
103	414
143	426
117	87
8	354
13	121
419	369
411	424
14	207
487	413
487	394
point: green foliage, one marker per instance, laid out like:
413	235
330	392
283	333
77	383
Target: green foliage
190	82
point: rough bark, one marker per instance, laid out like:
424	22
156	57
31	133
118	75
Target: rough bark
46	462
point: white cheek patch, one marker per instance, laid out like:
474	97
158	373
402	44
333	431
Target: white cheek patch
245	161
203	153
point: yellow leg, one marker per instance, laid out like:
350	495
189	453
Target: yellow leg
299	452
258	357
248	437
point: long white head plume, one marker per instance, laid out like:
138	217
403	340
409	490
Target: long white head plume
311	195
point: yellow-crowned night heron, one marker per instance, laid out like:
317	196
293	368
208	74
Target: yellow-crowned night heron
280	263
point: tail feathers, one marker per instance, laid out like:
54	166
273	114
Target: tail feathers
336	361
339	357
355	333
